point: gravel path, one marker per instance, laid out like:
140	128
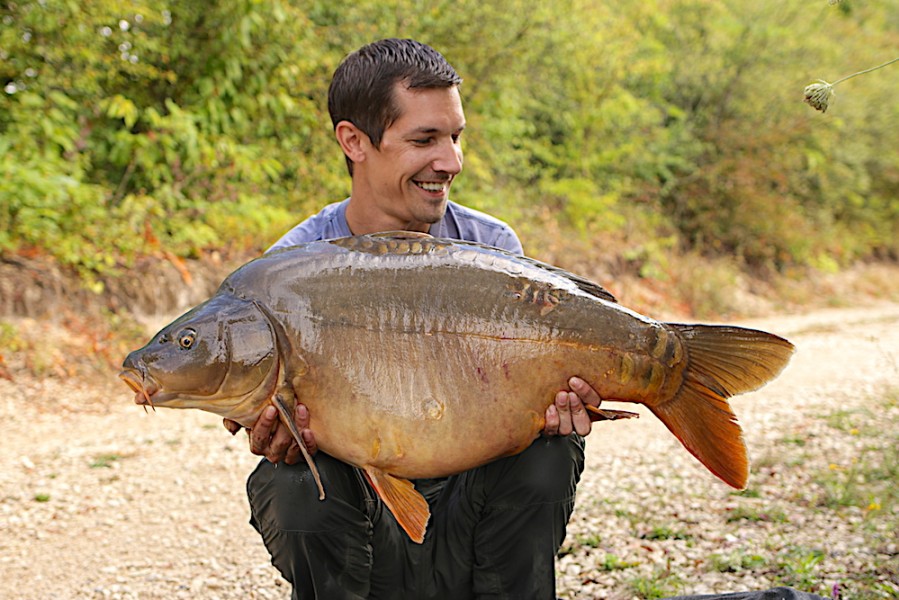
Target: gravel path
101	500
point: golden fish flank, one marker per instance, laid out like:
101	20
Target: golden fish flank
397	343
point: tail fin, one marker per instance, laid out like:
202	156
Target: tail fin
722	361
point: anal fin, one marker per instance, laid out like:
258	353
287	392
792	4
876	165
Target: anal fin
408	506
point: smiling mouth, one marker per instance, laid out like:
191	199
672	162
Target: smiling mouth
432	187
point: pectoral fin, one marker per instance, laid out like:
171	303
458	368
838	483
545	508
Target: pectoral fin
408	506
287	418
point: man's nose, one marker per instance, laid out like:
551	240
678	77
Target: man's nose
449	158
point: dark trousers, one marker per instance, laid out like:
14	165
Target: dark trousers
494	530
493	534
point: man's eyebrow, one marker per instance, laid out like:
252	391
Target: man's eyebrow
429	130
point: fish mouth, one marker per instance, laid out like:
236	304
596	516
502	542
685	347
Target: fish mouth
143	386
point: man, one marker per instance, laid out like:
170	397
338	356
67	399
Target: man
495	530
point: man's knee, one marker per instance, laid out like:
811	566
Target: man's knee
546	472
287	496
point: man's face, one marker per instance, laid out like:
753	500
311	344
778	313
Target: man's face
408	178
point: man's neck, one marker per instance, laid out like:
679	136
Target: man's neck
363	220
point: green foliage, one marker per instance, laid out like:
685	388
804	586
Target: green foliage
104	461
798	567
187	125
754	513
665	532
736	562
611	562
662	584
865	482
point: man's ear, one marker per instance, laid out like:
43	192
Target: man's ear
352	140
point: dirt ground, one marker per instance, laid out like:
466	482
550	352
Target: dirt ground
99	499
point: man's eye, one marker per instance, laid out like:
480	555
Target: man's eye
422	142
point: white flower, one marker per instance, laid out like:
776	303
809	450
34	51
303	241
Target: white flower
819	95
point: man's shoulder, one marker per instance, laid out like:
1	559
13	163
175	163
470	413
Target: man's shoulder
476	226
326	223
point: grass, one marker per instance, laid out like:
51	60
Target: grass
799	568
858	486
104	461
749	492
612	562
661	584
840	468
757	513
867	480
665	532
736	562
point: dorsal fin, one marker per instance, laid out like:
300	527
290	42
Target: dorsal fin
583	284
401	235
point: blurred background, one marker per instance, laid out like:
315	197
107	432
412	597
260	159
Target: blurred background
647	135
662	148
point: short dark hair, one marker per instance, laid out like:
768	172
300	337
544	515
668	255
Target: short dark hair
361	90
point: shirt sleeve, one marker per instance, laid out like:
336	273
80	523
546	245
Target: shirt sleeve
508	240
329	222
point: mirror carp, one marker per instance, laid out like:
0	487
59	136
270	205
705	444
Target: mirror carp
422	357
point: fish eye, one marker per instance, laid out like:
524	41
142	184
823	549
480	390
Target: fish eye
187	338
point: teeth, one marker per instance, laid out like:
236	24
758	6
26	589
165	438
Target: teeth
430	187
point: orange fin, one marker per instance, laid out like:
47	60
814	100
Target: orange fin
723	361
408	506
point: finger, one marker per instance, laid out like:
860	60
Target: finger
552	420
563	406
232	426
280	443
301	417
585	391
293	455
309	440
261	434
580	419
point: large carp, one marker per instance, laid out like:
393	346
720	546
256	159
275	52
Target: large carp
423	357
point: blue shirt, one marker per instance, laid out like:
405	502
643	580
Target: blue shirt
459	222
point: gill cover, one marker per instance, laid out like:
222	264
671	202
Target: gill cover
223	348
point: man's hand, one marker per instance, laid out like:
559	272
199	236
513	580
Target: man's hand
271	439
567	414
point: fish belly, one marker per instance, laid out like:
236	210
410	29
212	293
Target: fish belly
431	405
